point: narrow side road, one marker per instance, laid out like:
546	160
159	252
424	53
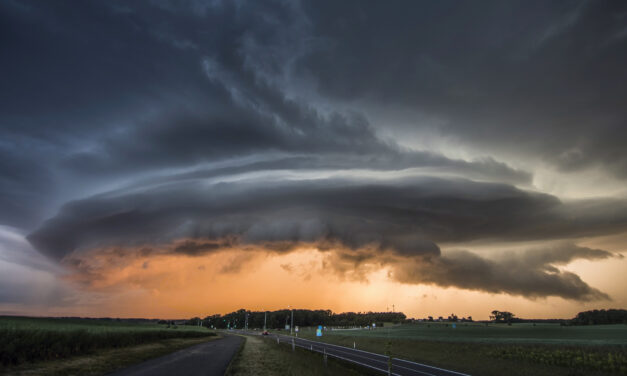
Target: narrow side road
206	359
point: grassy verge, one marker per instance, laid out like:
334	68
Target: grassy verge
262	357
492	359
104	361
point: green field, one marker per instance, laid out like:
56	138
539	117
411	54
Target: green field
500	333
27	341
477	349
92	325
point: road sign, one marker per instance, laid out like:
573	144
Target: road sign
319	331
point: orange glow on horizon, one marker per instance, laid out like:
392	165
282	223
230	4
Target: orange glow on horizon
129	284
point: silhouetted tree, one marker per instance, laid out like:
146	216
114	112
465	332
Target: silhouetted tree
502	316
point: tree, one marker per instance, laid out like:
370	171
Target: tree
195	321
502	316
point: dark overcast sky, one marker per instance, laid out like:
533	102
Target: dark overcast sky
411	128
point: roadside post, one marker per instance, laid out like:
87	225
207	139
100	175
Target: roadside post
389	352
292	323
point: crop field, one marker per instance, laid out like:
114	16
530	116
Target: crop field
477	349
500	333
26	340
92	325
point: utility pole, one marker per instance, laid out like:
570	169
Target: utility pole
264	320
292	325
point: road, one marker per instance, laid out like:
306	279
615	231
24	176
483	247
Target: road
400	367
206	359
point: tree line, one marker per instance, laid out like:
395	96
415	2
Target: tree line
302	317
306	317
600	317
592	317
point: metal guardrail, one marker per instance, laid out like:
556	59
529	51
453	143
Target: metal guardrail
348	354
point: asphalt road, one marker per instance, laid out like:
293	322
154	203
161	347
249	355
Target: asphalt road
400	367
206	359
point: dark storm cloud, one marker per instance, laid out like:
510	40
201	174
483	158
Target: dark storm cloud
99	92
531	274
406	220
535	78
195	248
408	216
23	182
211	125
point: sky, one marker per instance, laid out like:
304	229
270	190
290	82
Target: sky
182	158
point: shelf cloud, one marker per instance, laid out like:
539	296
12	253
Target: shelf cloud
400	136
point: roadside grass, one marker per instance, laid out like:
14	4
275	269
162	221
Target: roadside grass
484	357
105	361
264	357
26	340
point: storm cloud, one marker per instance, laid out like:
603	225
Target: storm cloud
408	215
405	218
533	274
373	132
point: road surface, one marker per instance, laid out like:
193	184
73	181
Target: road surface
206	359
400	367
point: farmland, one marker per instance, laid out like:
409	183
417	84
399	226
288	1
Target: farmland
500	333
523	349
27	341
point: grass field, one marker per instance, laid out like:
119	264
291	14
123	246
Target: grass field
92	325
264	357
501	333
521	349
27	341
